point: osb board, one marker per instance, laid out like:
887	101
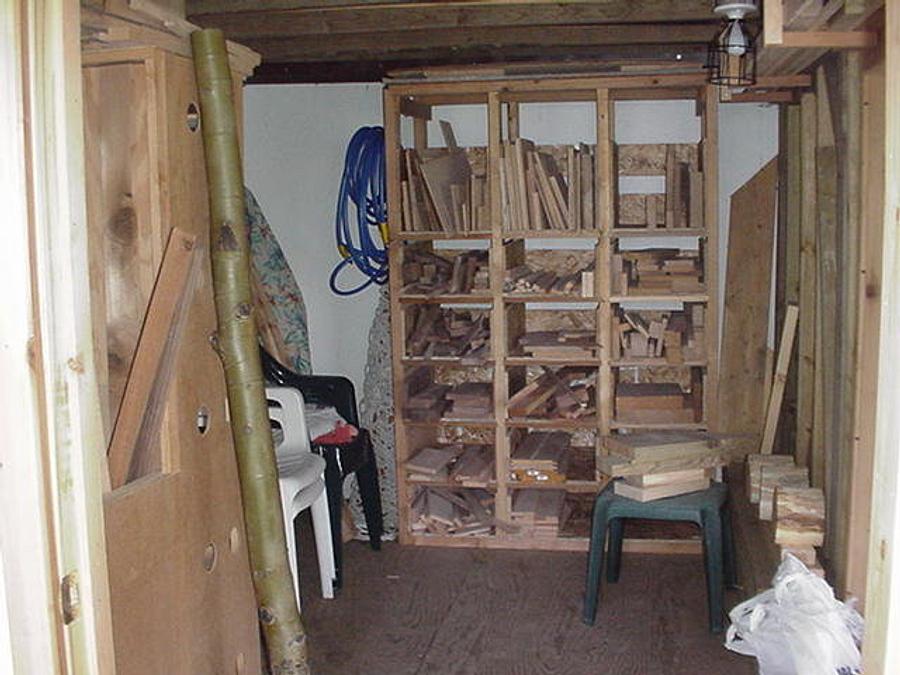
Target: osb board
748	281
171	612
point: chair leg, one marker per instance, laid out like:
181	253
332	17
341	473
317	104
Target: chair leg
334	483
614	559
369	492
729	554
715	586
290	538
595	564
324	549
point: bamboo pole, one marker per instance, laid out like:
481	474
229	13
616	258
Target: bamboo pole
283	630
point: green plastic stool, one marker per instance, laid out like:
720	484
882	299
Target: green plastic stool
707	508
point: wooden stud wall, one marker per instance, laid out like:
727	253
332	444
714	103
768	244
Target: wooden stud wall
502	101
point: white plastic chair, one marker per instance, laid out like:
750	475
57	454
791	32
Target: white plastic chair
301	478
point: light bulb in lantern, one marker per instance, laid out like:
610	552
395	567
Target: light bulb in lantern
735	40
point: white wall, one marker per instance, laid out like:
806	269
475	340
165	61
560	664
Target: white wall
296	136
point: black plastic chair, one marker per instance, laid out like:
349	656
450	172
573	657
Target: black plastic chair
357	456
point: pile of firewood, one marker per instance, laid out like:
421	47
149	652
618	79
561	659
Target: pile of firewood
567	393
431	274
453	513
655	271
435	331
428	401
673	336
468	465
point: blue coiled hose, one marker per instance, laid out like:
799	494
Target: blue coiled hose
363	185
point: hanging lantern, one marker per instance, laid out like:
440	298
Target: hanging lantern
731	57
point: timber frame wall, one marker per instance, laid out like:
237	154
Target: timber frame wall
502	98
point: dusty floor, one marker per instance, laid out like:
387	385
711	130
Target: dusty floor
429	610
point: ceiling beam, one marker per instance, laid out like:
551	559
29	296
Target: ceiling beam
420	44
395	17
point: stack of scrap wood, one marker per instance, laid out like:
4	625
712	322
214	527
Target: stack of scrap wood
472	400
547	188
675	337
559	344
430	274
435	331
567	393
444	191
454	513
538	512
656	403
525	279
467	465
681	205
661	464
426	403
540	457
782	491
657	271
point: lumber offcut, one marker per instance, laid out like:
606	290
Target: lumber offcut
773	476
799	516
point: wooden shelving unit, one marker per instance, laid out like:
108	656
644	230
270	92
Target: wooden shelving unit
506	366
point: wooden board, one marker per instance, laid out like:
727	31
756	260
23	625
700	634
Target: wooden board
746	307
440	173
785	351
652	446
648	494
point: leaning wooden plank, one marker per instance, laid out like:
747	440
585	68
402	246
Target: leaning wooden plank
440	173
799	516
746	308
785	350
145	392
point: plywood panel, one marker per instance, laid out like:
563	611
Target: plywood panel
746	307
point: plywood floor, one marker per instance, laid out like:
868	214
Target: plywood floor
427	610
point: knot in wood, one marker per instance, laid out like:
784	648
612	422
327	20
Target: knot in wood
243	311
266	616
226	240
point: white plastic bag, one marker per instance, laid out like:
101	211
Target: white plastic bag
797	627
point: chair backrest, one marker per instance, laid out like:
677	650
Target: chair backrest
286	408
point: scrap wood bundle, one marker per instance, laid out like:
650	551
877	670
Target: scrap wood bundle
453	513
547	188
559	344
435	331
784	496
673	336
661	464
681	205
430	274
655	271
540	457
658	403
538	512
567	393
463	464
428	401
525	279
444	190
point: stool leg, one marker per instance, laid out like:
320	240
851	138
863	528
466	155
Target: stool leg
334	483
324	549
728	553
367	477
715	587
614	559
595	564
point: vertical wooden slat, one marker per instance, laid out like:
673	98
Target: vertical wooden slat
710	126
807	326
605	177
512	121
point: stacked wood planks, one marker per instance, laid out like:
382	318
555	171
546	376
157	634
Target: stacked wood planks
538	512
661	464
525	279
431	274
444	190
674	337
657	271
567	393
559	344
453	513
546	188
430	401
435	331
680	206
656	403
540	457
468	465
471	400
798	511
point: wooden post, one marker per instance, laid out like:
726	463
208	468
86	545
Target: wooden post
605	195
807	325
710	126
